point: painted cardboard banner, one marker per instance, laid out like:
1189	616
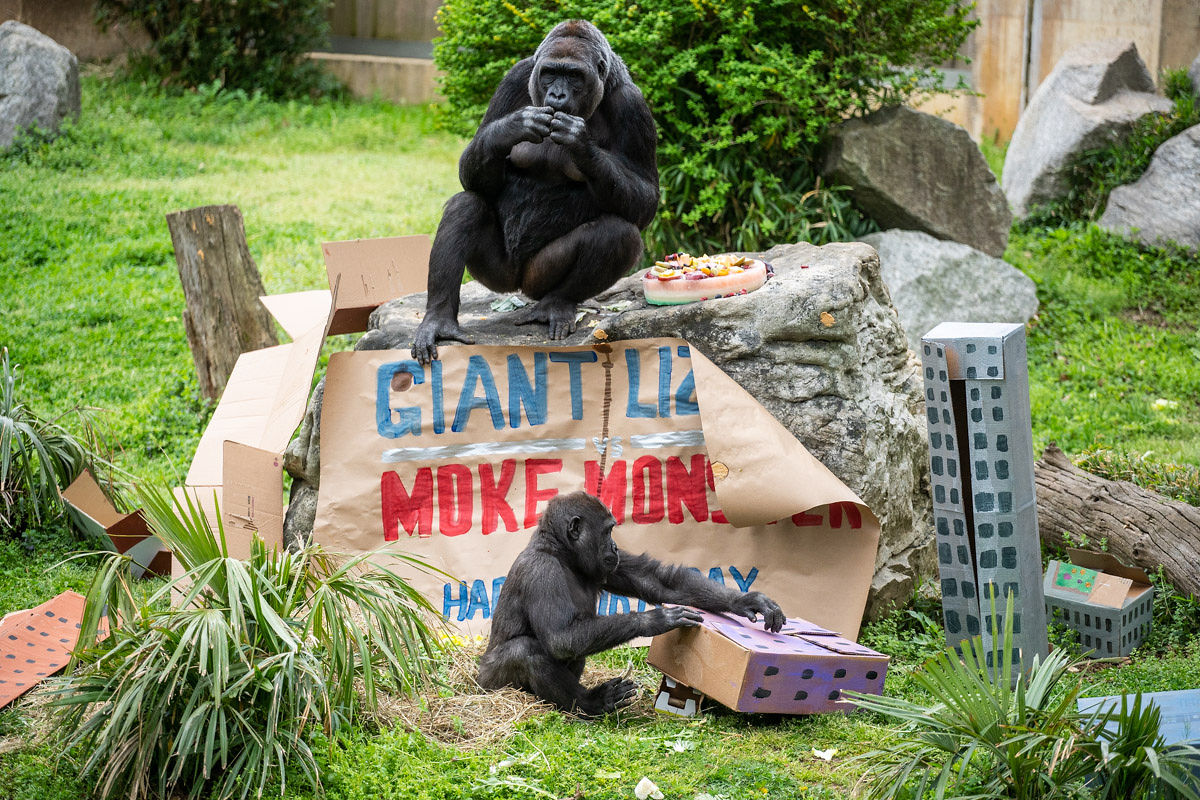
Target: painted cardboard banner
454	462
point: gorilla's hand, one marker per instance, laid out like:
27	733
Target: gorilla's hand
571	132
668	618
432	329
529	124
751	604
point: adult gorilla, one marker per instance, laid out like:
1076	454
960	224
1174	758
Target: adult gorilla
560	178
545	623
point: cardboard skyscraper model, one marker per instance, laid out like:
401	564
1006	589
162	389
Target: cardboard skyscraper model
981	464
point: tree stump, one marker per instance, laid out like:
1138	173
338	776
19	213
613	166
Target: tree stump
221	287
1137	526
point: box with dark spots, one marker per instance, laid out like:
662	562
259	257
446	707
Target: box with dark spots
803	669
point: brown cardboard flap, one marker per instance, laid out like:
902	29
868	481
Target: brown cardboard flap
1107	562
252	497
36	642
1110	590
372	272
299	312
86	496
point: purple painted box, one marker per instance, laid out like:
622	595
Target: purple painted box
803	669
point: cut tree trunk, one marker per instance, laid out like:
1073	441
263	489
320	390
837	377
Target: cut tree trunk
1137	526
221	287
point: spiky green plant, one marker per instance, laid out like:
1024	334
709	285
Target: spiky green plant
214	681
37	457
988	738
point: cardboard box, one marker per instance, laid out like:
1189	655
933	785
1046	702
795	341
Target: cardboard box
92	513
803	669
1107	604
365	273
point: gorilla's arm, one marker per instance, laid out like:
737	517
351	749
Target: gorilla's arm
509	119
655	582
568	634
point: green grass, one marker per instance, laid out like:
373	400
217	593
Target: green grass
90	305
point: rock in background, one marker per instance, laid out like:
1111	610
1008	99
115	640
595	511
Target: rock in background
1194	75
1163	205
1092	97
820	347
932	281
915	171
39	82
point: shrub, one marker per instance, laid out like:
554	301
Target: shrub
251	45
742	93
37	456
222	690
1093	174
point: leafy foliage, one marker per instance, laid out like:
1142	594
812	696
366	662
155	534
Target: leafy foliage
987	737
253	45
1177	481
222	689
1093	174
742	92
37	456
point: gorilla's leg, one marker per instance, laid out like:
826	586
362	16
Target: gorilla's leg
467	237
575	267
523	662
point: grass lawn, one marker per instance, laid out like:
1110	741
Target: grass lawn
90	307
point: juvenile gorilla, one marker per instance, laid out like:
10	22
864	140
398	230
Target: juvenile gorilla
560	178
545	623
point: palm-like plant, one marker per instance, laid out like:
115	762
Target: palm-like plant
990	737
214	681
37	457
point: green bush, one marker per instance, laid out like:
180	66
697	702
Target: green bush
1093	174
742	93
251	45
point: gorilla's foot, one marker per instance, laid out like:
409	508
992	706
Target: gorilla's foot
609	696
433	329
559	314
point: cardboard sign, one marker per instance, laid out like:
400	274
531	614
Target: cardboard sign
455	461
37	642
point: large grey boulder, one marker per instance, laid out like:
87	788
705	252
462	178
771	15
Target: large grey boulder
1164	204
916	171
1092	98
39	82
819	346
932	281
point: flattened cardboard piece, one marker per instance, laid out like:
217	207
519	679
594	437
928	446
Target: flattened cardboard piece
299	312
252	498
35	643
749	669
372	272
455	461
129	533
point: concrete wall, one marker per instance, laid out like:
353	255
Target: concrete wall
403	20
71	24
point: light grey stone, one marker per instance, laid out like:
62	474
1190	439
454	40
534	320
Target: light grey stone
932	281
1092	98
849	391
39	82
915	171
1163	205
1194	75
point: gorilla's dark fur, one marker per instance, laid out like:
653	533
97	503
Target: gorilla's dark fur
545	623
560	178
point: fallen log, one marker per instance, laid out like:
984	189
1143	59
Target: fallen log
1137	526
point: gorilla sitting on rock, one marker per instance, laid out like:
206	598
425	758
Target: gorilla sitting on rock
559	180
545	623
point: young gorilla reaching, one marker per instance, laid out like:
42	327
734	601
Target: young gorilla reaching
545	623
558	181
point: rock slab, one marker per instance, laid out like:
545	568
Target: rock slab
1194	75
1162	206
820	347
39	82
932	281
1092	98
915	171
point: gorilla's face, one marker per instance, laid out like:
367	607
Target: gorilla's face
567	77
590	534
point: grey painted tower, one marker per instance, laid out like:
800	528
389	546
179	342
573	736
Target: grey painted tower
981	464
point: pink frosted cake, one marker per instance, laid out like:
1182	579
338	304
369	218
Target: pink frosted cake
681	278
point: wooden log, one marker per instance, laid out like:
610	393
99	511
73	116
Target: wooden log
221	287
1137	526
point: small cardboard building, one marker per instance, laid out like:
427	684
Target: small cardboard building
93	513
981	464
803	669
1107	604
